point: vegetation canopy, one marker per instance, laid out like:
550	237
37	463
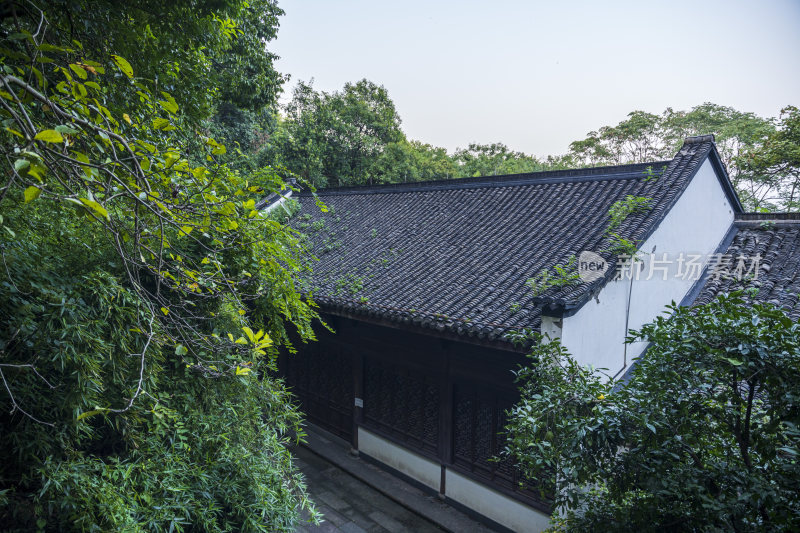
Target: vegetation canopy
703	436
353	137
143	298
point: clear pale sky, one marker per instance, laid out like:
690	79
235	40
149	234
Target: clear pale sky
537	75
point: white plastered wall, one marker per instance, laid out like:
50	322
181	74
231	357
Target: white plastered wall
414	466
552	327
696	225
480	498
492	504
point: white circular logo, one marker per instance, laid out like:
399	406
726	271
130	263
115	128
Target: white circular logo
591	266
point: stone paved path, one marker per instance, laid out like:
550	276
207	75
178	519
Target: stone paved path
350	506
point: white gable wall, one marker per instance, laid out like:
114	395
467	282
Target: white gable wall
283	198
697	224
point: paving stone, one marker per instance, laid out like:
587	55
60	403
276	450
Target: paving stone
324	527
333	500
351	527
388	523
349	505
366	523
332	516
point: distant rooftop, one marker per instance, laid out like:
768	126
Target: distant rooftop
775	239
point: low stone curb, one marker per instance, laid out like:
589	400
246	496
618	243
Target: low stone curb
429	507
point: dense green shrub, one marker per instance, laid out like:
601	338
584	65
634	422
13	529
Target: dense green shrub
142	302
703	437
197	451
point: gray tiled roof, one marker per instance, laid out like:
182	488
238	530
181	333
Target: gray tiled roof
775	240
454	255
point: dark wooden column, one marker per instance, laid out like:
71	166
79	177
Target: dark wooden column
445	413
358	396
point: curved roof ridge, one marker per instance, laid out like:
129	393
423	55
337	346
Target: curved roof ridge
632	170
768	217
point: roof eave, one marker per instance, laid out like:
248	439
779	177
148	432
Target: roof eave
725	180
499	343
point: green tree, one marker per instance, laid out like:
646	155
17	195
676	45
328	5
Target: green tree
142	299
639	138
777	163
406	161
300	140
704	436
736	133
210	55
335	139
200	51
644	137
366	123
494	160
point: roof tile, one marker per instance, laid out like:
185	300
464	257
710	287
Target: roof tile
455	255
775	239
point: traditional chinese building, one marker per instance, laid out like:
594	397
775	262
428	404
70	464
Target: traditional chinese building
422	282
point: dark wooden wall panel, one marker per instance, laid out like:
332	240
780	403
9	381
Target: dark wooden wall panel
321	377
402	403
443	399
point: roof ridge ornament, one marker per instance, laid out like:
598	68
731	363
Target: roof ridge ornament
697	139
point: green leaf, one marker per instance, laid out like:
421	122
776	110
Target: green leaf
169	107
49	136
37	170
98	209
734	362
91	205
123	65
21	164
80	71
93	412
181	350
47	47
789	450
69	130
32	193
39	77
160	123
